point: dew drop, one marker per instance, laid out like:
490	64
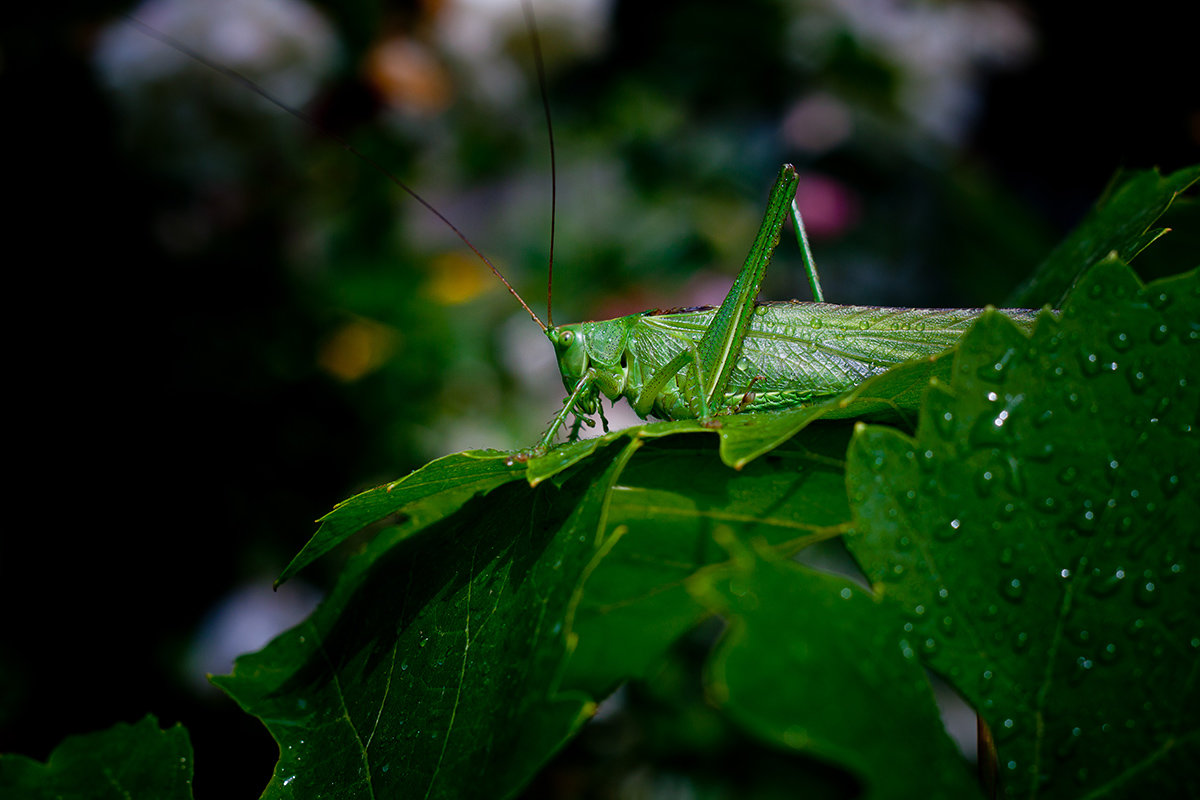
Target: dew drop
1068	745
1159	334
1085	523
1160	300
1120	341
1138	379
994	372
1105	585
1021	642
990	431
949	531
1146	592
1013	590
1090	364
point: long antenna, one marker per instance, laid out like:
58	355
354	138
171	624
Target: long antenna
531	24
234	75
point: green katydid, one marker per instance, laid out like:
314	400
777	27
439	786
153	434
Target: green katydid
700	363
697	363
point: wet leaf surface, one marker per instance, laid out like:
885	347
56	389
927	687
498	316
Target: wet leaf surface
1033	543
1040	536
125	762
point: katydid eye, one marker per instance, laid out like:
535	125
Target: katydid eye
568	337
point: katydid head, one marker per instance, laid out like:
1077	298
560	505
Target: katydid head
571	352
574	361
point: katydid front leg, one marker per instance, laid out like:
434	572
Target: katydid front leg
713	359
582	388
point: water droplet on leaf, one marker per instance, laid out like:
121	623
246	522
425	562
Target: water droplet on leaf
1013	590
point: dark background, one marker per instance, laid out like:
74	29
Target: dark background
173	431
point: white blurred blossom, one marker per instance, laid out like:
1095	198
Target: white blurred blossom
476	32
284	45
940	50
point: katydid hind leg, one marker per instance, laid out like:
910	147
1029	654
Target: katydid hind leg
708	365
810	263
721	345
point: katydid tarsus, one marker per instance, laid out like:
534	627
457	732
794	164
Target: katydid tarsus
706	362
